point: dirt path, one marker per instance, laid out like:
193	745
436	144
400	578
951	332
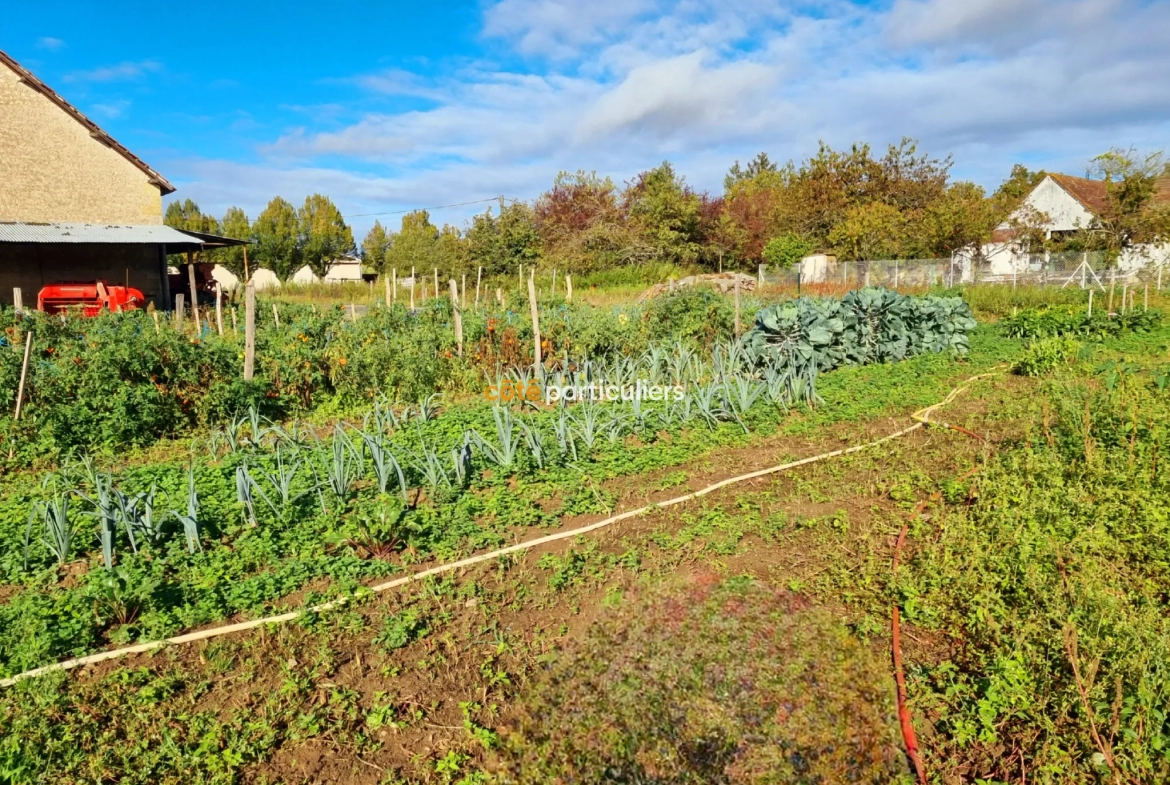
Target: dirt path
490	627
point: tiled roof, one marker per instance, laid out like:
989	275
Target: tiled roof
97	133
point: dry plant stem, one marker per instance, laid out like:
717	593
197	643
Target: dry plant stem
920	417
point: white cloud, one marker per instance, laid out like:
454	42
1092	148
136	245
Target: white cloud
50	43
110	109
617	87
559	28
114	73
676	96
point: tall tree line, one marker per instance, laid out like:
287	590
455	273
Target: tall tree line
853	203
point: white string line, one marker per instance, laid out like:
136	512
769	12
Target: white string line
921	417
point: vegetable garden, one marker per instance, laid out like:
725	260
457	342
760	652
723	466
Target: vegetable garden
149	491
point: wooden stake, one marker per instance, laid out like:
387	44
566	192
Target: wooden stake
737	305
478	280
250	330
436	282
520	278
499	296
156	328
28	342
235	326
538	365
247	275
17	301
352	312
412	288
553	293
458	316
394	281
463	292
1090	303
219	307
387	283
191	286
1124	294
275	315
1146	299
179	310
568	287
1112	286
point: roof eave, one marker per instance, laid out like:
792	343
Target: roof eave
28	78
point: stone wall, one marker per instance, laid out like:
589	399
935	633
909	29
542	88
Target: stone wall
51	169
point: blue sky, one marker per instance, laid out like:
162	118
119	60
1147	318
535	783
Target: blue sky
389	106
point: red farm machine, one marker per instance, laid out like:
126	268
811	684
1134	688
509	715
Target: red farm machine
88	298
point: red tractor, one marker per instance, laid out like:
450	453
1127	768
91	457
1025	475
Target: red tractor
88	298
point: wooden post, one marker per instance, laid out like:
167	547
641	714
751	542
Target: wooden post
1112	286
1124	294
275	315
250	330
247	275
478	281
554	283
423	291
352	312
156	328
17	301
1163	264
412	289
670	284
463	292
520	277
179	310
235	326
191	286
28	342
760	276
535	320
1090	304
499	296
394	282
1146	299
436	282
736	305
895	273
386	281
568	287
456	312
219	307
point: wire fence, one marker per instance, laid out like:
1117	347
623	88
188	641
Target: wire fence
1081	269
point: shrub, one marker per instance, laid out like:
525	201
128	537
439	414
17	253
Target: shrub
1044	356
728	683
694	314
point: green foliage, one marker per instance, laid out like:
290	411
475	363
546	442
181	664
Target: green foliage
323	236
797	340
1046	355
786	251
710	683
695	314
277	239
1073	320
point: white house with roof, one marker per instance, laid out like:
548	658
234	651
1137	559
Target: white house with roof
1062	205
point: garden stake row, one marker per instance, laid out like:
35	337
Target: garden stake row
921	419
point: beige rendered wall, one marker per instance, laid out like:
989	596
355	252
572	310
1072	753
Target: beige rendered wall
51	169
30	266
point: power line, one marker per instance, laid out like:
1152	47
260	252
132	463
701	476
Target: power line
436	207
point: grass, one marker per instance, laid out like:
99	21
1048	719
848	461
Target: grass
1032	592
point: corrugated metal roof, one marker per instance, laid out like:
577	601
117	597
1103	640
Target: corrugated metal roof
150	234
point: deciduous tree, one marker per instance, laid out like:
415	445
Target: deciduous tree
324	235
277	234
374	247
